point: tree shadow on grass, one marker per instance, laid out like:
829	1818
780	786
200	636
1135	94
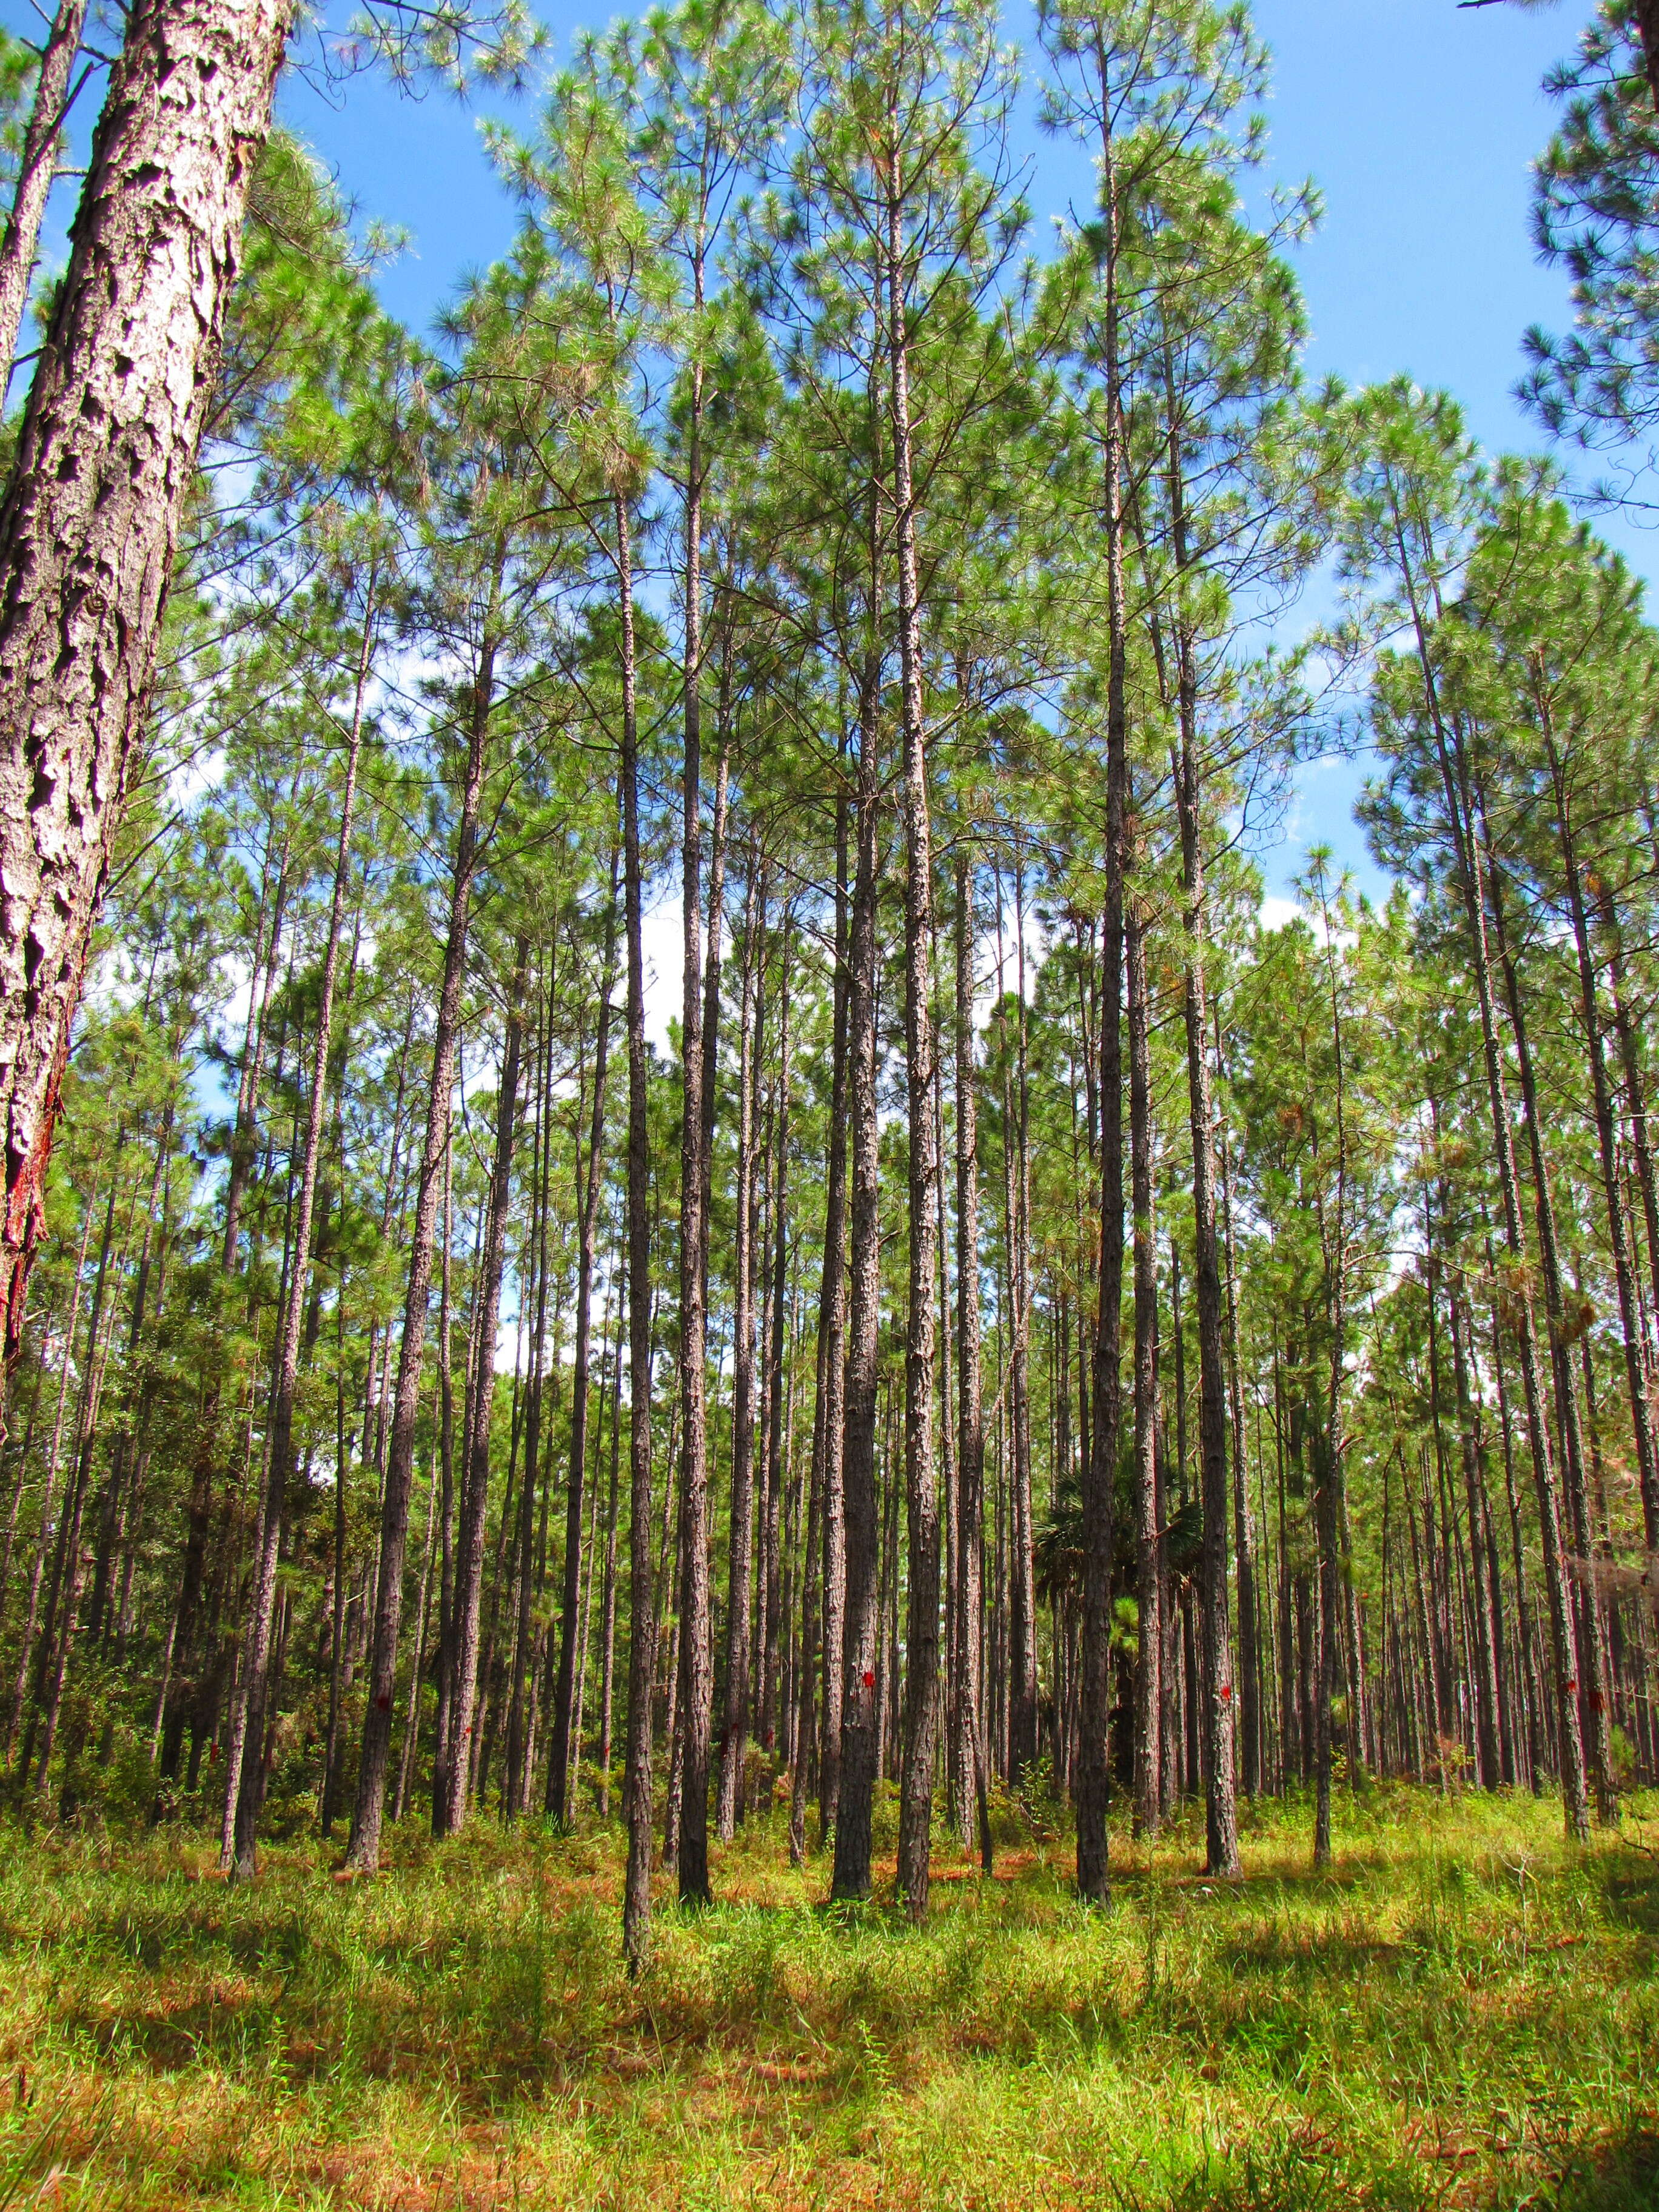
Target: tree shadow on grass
1303	2169
1620	2174
1632	1897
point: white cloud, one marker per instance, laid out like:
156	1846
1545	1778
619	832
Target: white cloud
1276	910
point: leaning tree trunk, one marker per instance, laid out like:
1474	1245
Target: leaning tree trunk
364	1851
36	162
88	530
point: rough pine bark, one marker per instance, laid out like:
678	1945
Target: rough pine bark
106	458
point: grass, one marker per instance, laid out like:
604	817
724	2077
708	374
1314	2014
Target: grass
1462	2013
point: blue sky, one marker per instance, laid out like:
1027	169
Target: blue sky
1417	120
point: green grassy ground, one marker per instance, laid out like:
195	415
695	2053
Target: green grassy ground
1461	2014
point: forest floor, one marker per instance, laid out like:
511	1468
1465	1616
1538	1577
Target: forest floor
1462	2013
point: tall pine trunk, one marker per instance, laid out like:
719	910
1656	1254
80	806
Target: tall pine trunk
968	1715
1100	1470
642	1652
859	1626
279	1436
1588	1681
1641	1411
826	1472
453	1759
740	1543
1450	756
1216	1688
566	1749
363	1851
921	1481
697	1658
835	1380
1149	1581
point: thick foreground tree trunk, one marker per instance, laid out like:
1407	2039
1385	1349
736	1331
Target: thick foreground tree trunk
90	522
